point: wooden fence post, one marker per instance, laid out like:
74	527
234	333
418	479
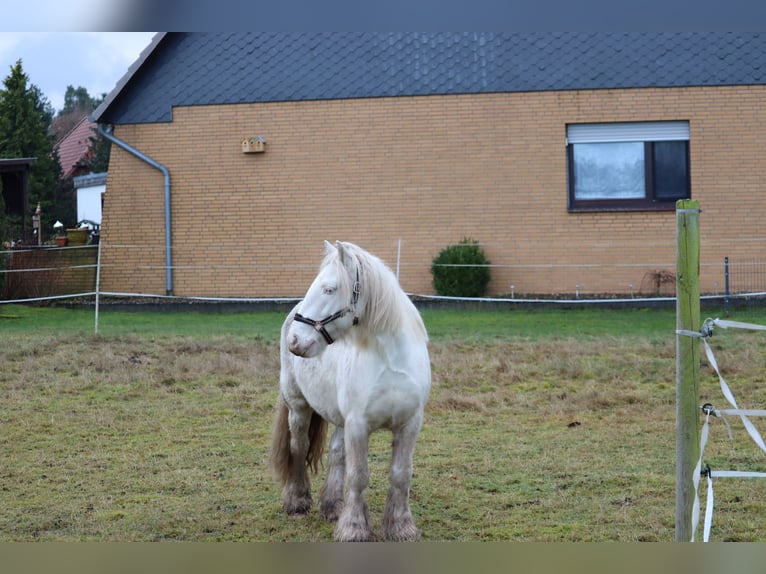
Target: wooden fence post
687	362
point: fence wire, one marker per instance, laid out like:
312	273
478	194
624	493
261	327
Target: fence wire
24	281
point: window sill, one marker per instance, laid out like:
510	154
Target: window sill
597	207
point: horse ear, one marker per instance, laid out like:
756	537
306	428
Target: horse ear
329	247
341	250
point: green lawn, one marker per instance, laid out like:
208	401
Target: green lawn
441	324
543	425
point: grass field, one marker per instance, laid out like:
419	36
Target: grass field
547	425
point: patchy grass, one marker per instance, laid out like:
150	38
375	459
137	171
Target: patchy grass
542	426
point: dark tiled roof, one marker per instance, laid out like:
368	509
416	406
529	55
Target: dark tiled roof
222	68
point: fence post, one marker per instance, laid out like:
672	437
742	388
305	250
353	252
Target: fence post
98	284
687	362
726	283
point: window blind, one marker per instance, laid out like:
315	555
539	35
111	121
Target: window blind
628	132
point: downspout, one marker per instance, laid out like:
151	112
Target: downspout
107	133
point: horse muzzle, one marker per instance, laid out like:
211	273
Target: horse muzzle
310	347
303	347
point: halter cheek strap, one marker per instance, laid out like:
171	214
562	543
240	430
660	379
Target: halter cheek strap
320	325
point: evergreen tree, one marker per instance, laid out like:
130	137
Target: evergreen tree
64	206
78	103
99	149
79	99
42	105
25	115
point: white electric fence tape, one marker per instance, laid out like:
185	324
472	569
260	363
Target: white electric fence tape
707	330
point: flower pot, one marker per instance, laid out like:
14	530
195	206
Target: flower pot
62	240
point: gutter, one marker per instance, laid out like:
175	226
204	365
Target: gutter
107	133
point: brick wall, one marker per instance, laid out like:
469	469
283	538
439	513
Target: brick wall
49	272
426	170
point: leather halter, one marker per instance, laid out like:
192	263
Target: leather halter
320	325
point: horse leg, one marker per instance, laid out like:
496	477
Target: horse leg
297	492
397	523
354	522
331	497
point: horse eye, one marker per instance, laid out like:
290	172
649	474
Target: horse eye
329	290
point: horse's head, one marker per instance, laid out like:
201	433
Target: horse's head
329	308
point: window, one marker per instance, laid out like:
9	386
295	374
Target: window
628	166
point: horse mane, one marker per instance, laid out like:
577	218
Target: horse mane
387	308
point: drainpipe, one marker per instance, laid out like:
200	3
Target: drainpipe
107	133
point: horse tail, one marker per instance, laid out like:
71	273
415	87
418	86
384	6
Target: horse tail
280	458
279	453
317	441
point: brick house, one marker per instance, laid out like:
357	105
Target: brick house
563	154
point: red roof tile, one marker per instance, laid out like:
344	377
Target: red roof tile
73	146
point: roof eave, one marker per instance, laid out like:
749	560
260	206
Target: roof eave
99	112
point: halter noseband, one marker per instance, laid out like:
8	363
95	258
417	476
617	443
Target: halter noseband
319	325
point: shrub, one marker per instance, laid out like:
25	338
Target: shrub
461	270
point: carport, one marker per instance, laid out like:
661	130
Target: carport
14	180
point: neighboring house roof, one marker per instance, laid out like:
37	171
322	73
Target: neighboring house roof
183	69
73	147
89	180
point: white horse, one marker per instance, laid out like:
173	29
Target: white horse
354	352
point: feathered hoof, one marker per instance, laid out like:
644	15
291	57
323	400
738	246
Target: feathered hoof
297	507
331	509
402	532
353	531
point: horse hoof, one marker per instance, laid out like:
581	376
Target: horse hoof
357	537
297	509
331	510
353	532
407	533
402	529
